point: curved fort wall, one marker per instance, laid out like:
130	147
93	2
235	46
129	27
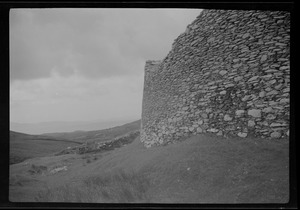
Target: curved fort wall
228	74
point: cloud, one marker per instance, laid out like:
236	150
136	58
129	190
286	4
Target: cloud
96	43
86	64
75	98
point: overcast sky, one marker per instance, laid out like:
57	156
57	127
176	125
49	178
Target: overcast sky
86	64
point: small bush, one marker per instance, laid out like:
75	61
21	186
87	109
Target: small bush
37	169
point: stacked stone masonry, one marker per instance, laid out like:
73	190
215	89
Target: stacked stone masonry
228	74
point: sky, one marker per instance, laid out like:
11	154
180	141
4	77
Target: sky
86	64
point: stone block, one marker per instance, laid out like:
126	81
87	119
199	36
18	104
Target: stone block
270	117
223	92
242	135
262	94
239	112
251	123
267	109
223	72
255	113
275	134
220	133
253	78
199	130
204	115
227	117
263	58
278	124
213	130
238	78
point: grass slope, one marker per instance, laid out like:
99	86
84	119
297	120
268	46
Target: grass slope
202	169
24	146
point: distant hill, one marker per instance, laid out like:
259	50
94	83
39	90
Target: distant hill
24	146
60	126
97	135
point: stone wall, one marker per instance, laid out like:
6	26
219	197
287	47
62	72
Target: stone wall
228	74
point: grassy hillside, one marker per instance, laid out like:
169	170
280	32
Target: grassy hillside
24	146
202	169
98	135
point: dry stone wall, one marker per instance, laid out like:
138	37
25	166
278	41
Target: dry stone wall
228	74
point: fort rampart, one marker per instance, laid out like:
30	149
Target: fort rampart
228	74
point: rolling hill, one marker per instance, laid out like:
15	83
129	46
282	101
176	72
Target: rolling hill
97	135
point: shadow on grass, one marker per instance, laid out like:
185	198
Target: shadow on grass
14	159
20	180
116	187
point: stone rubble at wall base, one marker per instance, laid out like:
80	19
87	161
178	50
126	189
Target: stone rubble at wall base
227	74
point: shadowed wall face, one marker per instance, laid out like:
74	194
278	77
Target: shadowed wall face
228	74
